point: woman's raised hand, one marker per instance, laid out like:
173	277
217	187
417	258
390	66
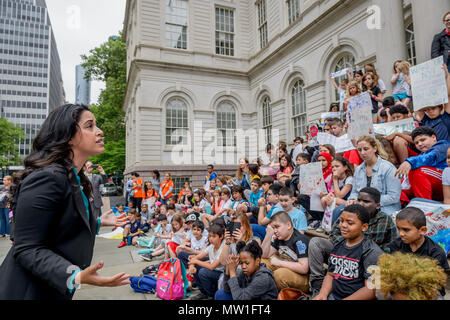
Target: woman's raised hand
90	276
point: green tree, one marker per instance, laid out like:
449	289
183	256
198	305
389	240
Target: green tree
108	63
9	137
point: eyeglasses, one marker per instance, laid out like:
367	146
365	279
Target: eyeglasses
447	21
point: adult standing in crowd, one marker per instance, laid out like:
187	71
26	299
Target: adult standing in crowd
138	191
166	188
441	42
128	187
156	180
211	175
55	227
96	180
4	210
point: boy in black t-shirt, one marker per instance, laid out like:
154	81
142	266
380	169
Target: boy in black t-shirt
350	258
285	252
412	227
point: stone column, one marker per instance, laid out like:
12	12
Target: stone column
427	19
390	38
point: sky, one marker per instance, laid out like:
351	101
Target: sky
79	26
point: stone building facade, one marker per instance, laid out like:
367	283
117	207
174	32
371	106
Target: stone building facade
196	67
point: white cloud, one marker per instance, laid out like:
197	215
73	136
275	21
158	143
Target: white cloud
79	26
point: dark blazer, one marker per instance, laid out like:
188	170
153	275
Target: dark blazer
441	46
53	237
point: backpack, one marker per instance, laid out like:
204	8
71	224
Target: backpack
145	284
172	280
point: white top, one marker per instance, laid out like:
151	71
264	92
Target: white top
214	255
342	95
446	177
297	150
226	205
178	237
401	86
198	244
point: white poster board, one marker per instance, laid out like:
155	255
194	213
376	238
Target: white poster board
339	73
340	144
359	116
311	178
428	84
400	126
330	115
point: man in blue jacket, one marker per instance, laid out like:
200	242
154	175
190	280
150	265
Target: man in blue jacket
424	171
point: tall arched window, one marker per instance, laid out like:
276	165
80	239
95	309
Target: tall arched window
226	125
411	44
176	122
267	119
298	98
347	61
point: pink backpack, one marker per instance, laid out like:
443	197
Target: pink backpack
171	281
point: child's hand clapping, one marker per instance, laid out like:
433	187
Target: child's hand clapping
261	202
232	263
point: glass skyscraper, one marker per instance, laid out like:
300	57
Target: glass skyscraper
30	70
82	86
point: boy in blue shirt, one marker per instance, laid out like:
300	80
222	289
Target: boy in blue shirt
298	216
424	171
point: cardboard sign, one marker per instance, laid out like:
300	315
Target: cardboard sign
400	126
341	144
428	84
311	178
359	116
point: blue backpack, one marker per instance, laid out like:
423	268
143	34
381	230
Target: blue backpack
145	284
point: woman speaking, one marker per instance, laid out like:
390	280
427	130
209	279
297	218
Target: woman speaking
55	227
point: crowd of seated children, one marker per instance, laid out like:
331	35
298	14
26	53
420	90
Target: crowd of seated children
270	245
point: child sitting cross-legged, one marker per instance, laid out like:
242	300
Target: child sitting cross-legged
350	259
176	238
207	273
411	225
285	252
253	282
160	237
195	242
131	230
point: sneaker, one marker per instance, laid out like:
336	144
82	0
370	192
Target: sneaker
314	225
320	229
200	296
122	244
147	257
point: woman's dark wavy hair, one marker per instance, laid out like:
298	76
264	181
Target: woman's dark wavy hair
51	145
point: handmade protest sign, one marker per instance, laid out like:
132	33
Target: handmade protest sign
437	216
359	116
428	84
341	144
330	115
339	73
400	126
311	178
